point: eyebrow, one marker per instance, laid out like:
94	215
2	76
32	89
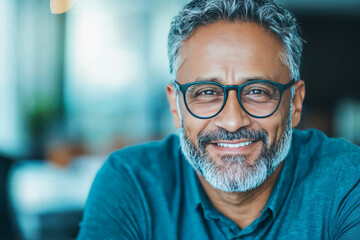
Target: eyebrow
205	79
242	81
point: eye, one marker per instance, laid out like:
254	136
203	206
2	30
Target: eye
204	91
257	91
207	92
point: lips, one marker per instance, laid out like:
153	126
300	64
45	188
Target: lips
234	145
243	141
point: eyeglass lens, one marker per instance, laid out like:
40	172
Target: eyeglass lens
258	99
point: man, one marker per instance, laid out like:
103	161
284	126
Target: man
238	170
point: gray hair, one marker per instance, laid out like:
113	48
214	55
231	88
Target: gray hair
266	13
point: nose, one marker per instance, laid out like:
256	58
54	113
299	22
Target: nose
232	117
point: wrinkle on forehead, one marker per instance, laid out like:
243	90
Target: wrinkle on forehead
228	42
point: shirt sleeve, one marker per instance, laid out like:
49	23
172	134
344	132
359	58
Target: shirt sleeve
115	208
348	219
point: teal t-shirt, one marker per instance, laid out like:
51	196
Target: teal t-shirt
151	192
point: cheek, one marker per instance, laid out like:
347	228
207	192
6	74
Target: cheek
276	124
193	126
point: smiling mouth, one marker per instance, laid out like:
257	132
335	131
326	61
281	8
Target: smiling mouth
234	145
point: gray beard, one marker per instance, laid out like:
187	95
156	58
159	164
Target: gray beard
236	174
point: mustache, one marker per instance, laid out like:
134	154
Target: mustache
207	137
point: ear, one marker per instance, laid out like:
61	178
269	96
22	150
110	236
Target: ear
298	102
171	95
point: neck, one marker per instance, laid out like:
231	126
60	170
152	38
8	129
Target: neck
243	207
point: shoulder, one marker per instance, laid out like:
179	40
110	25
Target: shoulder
141	165
328	173
122	192
315	145
152	155
150	166
328	166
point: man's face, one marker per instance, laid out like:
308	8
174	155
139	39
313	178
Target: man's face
233	151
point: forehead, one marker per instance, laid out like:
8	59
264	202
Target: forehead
232	53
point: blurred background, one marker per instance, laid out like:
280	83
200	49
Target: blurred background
78	85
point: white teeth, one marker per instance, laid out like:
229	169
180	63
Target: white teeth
234	145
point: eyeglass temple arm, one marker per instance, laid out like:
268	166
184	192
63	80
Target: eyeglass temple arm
177	85
289	84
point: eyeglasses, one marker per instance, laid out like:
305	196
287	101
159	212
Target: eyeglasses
258	98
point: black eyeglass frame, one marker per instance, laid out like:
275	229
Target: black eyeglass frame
226	88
